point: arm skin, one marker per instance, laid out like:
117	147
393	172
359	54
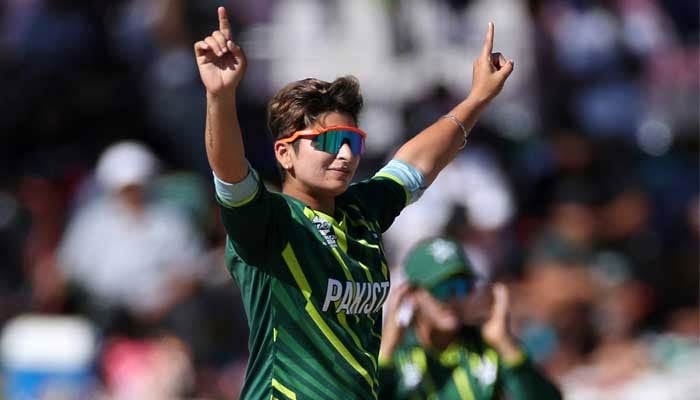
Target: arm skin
222	65
433	148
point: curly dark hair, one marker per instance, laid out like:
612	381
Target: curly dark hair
299	104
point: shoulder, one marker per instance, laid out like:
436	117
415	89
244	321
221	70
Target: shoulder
369	189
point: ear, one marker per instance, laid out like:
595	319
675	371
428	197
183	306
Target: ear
284	153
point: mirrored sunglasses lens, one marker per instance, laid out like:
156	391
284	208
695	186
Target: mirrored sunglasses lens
331	141
355	141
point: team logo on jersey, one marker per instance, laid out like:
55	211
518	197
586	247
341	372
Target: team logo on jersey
356	297
485	371
411	375
326	230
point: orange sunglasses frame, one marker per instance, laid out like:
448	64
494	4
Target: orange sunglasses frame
315	132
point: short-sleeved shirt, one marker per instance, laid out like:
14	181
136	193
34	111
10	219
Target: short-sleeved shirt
313	286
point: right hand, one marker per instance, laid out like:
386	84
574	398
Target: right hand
495	331
221	62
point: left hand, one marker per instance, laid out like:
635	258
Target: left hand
490	71
495	331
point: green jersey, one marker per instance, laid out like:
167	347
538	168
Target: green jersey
467	370
313	286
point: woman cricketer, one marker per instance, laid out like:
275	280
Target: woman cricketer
310	261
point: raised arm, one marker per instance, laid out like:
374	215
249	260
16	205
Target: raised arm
221	65
432	149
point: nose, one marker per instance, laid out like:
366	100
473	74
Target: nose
345	152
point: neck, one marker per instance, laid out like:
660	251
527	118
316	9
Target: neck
324	204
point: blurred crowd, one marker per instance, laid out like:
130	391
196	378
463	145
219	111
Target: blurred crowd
578	188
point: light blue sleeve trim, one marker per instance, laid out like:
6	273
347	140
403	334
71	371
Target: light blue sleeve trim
239	193
407	175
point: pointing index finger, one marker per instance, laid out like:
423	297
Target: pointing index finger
224	24
500	294
488	42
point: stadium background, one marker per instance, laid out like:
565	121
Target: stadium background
579	185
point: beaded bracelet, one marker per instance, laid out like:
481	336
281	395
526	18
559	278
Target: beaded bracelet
461	125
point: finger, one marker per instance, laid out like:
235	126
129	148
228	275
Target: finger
488	42
506	69
500	300
237	52
496	60
224	24
398	293
501	60
221	40
200	48
213	45
402	290
231	46
420	293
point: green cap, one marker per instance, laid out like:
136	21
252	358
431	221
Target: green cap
434	261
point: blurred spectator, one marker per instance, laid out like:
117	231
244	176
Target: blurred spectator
568	158
158	369
553	311
46	205
126	251
14	229
488	204
627	230
568	237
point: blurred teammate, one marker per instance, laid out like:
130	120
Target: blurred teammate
458	345
309	260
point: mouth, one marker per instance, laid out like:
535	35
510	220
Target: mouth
343	169
342	172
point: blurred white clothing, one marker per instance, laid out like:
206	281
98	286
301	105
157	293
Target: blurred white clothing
474	181
126	259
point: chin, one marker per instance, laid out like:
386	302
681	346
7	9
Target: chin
336	189
337	186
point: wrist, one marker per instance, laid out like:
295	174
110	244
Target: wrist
221	95
508	350
386	351
478	100
514	358
390	339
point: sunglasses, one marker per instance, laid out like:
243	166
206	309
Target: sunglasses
331	139
453	288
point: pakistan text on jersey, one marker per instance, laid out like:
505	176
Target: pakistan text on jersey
356	297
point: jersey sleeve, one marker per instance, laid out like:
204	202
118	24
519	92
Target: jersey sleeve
389	191
248	213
